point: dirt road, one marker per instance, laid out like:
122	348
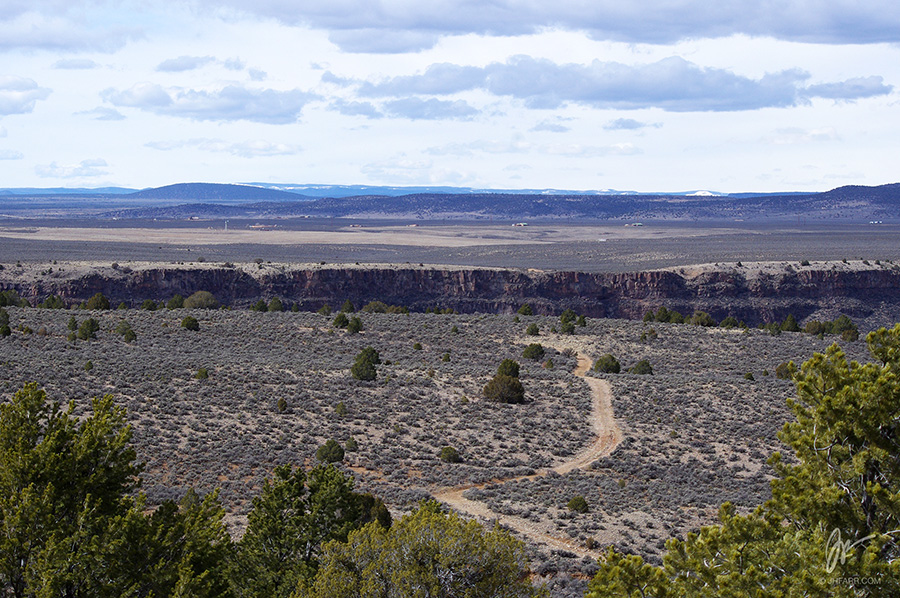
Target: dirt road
608	437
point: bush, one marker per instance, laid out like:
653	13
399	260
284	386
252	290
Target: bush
202	374
417	346
340	321
129	336
701	318
729	322
73	324
749	376
504	389
325	310
52	302
567	328
449	454
259	306
330	452
533	351
201	300
607	364
785	371
190	323
88	329
525	310
88	366
567	316
532	330
276	305
98	301
351	446
176	302
508	367
354	325
364	366
850	335
642	367
347	307
148	305
790	324
578	504
380	307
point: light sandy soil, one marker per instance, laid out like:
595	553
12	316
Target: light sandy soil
608	437
420	236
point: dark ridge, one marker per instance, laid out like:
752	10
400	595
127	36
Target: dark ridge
213	191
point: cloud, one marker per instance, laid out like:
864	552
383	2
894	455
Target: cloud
102	113
627	124
257	74
441	79
234	64
551	127
851	89
183	63
86	168
794	136
673	84
366	109
75	64
515	146
244	149
230	103
18	95
577	150
10	155
430	109
403	26
57	30
380	41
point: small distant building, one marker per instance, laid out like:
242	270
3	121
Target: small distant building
520	224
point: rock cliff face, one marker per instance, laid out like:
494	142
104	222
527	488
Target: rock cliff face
754	294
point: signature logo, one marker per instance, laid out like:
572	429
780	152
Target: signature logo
838	550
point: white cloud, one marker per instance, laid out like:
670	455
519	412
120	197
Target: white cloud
234	64
10	155
229	103
577	150
551	127
628	124
795	135
350	108
19	95
183	63
75	64
103	113
673	84
85	169
59	31
430	109
243	149
409	25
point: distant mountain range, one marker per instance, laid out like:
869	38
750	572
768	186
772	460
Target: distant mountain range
257	201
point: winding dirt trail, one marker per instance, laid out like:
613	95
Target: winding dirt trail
608	437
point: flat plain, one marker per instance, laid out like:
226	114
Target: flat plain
553	245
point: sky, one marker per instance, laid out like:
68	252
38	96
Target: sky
642	95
